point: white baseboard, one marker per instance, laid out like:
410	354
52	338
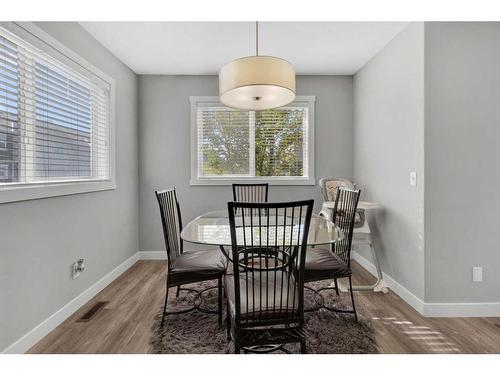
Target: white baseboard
396	287
49	324
153	255
433	310
462	310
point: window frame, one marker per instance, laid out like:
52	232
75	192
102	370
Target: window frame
308	101
35	36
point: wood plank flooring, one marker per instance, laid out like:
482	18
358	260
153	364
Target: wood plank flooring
124	324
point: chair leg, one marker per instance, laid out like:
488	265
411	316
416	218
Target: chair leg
336	286
303	349
352	298
228	322
237	349
165	306
219	287
178	291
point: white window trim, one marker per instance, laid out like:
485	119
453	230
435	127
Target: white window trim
27	191
210	181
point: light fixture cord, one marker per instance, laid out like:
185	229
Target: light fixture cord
256	38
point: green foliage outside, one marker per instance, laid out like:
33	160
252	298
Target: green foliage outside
278	143
226	143
279	137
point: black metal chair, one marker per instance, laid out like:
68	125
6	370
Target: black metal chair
265	291
255	193
186	267
335	263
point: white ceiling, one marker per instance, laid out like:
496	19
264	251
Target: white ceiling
203	47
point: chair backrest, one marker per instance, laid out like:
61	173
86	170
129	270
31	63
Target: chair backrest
269	242
329	186
255	193
344	213
170	213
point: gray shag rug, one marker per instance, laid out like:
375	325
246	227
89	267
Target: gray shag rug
196	332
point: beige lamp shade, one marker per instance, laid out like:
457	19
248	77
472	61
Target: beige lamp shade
256	83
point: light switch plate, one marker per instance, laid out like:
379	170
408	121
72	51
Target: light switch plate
477	274
413	178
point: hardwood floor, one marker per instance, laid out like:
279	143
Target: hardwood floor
124	324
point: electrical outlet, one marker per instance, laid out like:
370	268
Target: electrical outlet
77	268
477	274
413	178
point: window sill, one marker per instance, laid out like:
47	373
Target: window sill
54	189
230	181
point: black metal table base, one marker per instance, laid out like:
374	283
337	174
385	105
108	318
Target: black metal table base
197	302
320	303
318	299
199	298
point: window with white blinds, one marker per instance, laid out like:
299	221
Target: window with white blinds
54	119
232	145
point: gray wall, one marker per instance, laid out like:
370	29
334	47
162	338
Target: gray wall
462	125
388	144
164	115
41	238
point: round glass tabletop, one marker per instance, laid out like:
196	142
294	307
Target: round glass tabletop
213	229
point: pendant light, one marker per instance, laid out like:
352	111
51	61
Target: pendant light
257	82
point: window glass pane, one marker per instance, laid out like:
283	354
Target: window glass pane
54	118
9	111
279	138
63	125
258	145
225	142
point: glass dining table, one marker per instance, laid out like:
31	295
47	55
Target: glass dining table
213	229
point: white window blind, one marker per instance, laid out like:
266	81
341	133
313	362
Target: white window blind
224	142
271	145
54	121
281	142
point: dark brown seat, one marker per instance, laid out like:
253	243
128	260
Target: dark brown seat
323	263
186	267
196	265
335	263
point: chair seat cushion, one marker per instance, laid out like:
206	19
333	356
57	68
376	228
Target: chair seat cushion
265	297
324	264
197	265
